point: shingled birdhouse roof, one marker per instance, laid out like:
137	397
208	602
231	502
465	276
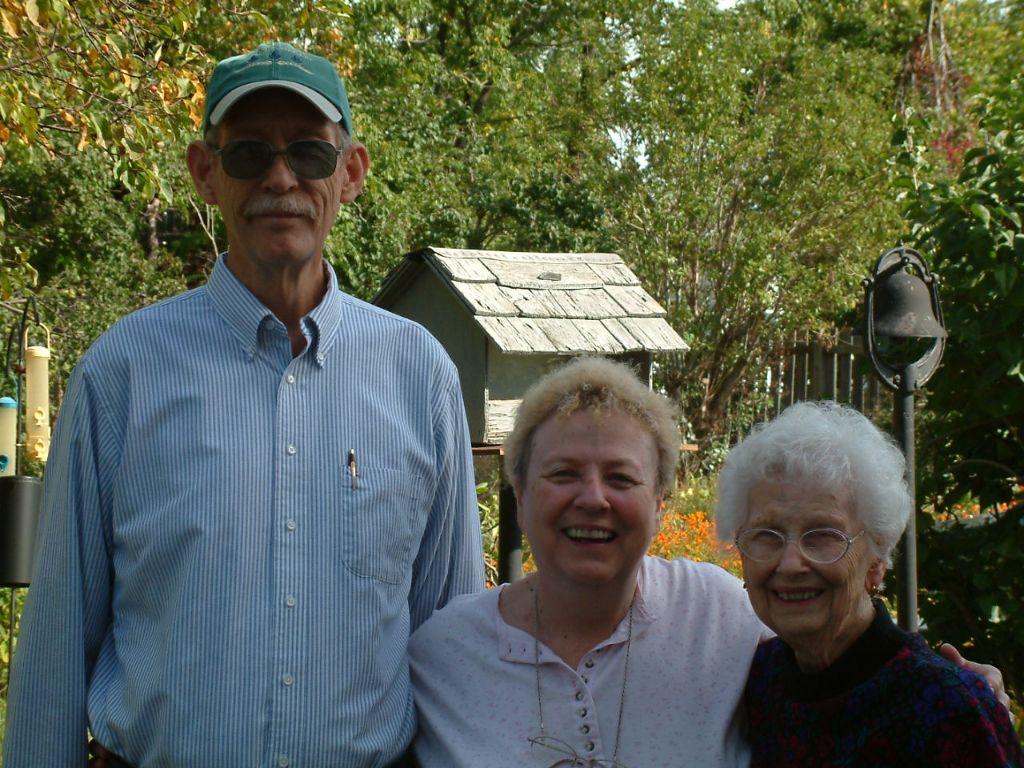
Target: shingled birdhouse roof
560	303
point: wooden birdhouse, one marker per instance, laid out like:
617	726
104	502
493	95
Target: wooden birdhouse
506	318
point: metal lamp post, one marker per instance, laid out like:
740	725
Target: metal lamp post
905	341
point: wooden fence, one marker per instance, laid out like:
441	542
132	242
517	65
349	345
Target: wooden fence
822	369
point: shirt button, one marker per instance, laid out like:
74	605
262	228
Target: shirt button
290	601
287	679
290	525
586	680
291	450
579	695
282	761
320	359
590	746
584	729
589	664
583	712
291	380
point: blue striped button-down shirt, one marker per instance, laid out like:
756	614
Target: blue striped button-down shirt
211	586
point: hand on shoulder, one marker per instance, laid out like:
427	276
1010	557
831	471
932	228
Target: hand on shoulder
986	672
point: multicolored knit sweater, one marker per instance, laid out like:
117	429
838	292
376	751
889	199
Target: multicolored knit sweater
889	701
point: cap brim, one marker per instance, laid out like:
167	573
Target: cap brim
316	99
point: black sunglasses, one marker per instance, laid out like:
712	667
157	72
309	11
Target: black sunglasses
250	159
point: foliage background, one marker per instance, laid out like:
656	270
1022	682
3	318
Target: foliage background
749	163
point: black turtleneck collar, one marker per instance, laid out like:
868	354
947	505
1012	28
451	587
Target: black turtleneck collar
869	653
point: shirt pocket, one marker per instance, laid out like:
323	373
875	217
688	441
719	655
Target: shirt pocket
383	515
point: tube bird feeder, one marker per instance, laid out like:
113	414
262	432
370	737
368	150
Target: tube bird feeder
8	436
37	398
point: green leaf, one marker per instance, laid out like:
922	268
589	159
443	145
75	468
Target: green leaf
115	43
981	212
1006	276
973	153
166	188
59	9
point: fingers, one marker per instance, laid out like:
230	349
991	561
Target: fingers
993	677
987	672
1004	699
950	653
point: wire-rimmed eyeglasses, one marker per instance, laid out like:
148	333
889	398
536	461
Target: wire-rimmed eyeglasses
569	756
819	545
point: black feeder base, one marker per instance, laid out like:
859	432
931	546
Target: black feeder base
20	505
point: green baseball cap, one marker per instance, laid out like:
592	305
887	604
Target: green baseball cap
277	65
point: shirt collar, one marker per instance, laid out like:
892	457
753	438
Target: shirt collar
245	313
517	646
879	643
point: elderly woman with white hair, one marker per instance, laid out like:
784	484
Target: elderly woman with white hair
816	501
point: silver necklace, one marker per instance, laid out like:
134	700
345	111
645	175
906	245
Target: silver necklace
622	692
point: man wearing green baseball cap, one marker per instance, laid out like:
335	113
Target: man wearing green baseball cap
257	489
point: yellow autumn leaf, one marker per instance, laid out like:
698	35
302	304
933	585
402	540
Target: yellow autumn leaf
45	141
195	112
10	22
196	103
32	11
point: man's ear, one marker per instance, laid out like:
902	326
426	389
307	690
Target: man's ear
357	165
202	165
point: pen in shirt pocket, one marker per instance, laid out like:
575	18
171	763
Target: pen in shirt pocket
352	469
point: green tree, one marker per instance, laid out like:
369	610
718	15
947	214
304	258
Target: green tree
972	442
485	125
753	188
128	78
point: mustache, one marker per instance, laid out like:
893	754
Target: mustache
268	205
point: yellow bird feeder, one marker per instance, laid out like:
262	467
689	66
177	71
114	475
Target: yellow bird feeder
37	397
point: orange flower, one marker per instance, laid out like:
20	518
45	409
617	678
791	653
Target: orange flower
691	535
